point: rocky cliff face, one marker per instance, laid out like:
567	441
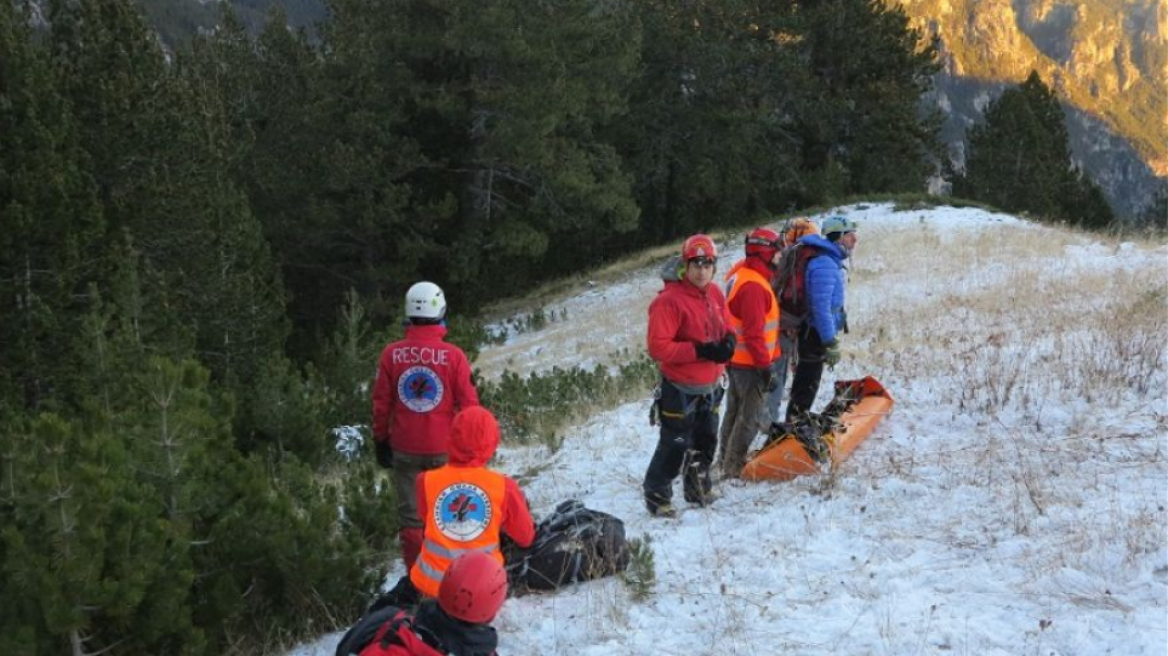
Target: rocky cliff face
1107	60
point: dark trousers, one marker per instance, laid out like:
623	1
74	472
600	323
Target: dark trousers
406	468
689	438
807	373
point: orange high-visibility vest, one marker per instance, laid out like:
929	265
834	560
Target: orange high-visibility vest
770	330
462	512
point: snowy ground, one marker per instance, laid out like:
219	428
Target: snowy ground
1013	503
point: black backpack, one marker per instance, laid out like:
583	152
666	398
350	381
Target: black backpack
573	544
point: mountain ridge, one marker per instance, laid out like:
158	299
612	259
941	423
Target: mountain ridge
1107	60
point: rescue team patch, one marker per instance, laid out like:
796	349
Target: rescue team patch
420	389
462	512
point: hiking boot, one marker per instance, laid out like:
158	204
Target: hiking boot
705	499
663	510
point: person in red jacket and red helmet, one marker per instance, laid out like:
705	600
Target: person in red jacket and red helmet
421	382
755	318
458	623
690	338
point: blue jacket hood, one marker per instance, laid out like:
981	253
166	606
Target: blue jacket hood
828	247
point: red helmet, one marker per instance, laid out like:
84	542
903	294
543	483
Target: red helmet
698	246
473	588
763	242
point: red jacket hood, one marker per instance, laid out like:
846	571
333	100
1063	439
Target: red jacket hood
474	436
753	263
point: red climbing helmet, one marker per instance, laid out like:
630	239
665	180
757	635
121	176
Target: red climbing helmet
473	588
763	242
698	246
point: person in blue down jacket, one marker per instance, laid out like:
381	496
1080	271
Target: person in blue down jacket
826	281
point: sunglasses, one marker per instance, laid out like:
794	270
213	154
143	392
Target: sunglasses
704	261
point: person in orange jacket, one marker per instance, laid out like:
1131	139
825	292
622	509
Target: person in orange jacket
755	317
690	338
466	506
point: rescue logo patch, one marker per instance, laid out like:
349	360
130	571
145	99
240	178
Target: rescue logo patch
420	389
462	512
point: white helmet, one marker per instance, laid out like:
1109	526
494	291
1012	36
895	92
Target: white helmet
425	300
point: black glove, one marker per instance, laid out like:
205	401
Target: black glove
730	342
767	378
384	454
717	351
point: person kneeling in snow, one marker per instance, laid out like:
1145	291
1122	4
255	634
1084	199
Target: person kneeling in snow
465	506
469	597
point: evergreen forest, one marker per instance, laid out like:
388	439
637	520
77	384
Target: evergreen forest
204	248
1019	160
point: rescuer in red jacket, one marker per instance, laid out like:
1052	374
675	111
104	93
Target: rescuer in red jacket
456	624
422	381
754	312
690	337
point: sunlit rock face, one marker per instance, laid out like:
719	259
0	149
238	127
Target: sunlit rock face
1107	60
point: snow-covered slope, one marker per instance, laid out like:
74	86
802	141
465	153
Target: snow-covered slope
1013	503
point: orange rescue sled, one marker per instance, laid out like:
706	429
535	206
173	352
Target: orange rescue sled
864	403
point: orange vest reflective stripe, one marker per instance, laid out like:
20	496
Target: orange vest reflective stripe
770	329
463	512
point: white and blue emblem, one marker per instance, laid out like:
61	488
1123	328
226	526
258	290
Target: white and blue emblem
420	389
462	512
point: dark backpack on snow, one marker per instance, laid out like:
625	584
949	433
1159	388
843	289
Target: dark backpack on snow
573	544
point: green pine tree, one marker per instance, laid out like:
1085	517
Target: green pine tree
859	116
331	180
84	544
51	225
1156	214
163	155
111	69
1019	160
501	163
1084	203
282	137
707	135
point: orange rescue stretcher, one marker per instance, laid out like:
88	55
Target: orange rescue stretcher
856	409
